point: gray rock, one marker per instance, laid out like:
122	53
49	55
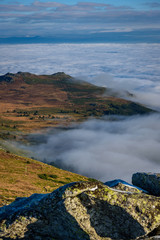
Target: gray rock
148	181
151	238
81	211
124	186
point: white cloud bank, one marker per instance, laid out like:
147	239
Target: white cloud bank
106	149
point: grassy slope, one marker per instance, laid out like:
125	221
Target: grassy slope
21	177
29	102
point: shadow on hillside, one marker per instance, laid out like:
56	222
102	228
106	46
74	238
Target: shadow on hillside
110	220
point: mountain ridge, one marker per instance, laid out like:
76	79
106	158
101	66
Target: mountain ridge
31	102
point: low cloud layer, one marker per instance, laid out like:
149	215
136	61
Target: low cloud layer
105	149
132	61
131	67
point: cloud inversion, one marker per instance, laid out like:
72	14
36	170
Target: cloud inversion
105	149
101	149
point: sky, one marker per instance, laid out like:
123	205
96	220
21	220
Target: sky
79	21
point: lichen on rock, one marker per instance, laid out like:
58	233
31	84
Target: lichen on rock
124	186
81	211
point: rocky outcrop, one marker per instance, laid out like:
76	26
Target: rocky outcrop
148	181
81	211
124	186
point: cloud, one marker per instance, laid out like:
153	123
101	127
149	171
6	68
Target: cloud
34	7
105	149
17	8
48	4
153	4
78	15
83	7
150	98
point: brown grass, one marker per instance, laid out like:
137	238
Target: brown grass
30	98
19	177
57	96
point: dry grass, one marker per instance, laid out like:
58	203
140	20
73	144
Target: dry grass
21	177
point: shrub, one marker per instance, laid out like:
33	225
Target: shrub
52	176
43	176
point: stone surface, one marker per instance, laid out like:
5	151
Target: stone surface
148	181
124	186
81	211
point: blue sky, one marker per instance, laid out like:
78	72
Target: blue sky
91	20
138	4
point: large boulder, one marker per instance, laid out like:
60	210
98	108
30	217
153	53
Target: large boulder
81	211
147	181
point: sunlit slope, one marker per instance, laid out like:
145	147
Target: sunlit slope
29	101
21	177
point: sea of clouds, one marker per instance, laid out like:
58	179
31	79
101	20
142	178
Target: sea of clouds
102	148
105	149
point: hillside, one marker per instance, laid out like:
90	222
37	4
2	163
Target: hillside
21	177
29	102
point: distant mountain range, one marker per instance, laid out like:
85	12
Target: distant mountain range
135	36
